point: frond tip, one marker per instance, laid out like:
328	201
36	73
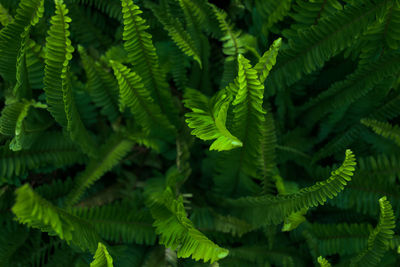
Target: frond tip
102	258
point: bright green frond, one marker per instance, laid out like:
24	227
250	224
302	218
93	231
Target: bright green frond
11	37
142	55
109	155
266	210
208	118
383	128
177	231
59	95
102	258
323	262
378	241
135	95
268	60
35	211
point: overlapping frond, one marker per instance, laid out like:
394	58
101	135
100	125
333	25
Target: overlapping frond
273	11
102	258
177	231
109	155
120	221
208	118
101	85
266	210
312	47
142	55
135	95
384	129
59	95
35	211
13	34
378	241
176	31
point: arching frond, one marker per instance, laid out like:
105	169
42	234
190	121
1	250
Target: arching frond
378	241
383	128
35	211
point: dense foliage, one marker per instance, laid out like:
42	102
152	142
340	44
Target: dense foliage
195	133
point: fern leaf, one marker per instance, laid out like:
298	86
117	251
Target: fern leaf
176	31
384	129
312	47
5	18
58	90
142	55
208	118
101	85
178	232
323	262
378	241
268	60
273	11
52	149
102	258
35	211
11	36
119	221
134	95
110	154
266	210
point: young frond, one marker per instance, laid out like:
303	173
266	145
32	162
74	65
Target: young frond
208	118
35	211
102	258
268	60
265	210
378	241
323	262
13	34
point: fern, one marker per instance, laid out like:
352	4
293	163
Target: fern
59	95
102	258
36	212
142	55
266	210
379	238
208	119
323	262
384	129
12	36
110	154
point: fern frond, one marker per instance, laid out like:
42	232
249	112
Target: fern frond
176	31
266	210
323	262
312	47
58	90
5	17
101	85
33	210
268	60
109	155
120	221
142	55
12	35
384	129
273	11
378	241
135	95
51	150
102	258
178	232
208	118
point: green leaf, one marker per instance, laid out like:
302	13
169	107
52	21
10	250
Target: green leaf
102	258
